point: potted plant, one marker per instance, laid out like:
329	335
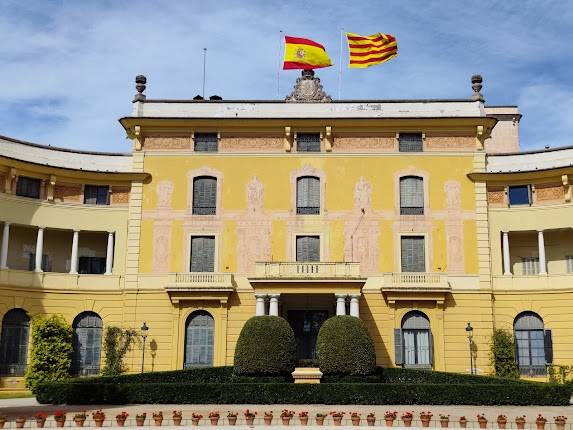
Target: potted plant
355	418
80	418
249	416
140	419
337	417
214	417
560	421
303	418
60	418
177	418
501	421
3	420
232	417
540	422
98	417
120	418
158	418
195	418
482	421
40	419
268	418
389	417
407	418
425	417
520	421
444	420
20	421
320	418
371	419
286	416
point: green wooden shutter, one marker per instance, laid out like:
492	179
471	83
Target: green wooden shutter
398	347
199	340
548	344
431	347
308	248
202	254
204	195
413	254
308	195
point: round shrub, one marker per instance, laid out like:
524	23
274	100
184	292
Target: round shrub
266	346
344	347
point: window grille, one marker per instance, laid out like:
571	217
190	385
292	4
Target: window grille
308	142
206	142
410	142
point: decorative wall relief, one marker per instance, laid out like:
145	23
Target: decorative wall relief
161	245
362	195
454	228
255	196
164	192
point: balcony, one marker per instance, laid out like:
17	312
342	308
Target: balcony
339	271
415	286
200	281
58	281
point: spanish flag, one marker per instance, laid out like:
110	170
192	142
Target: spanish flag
366	51
304	54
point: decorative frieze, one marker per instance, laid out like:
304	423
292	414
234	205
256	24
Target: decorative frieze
68	193
496	196
251	144
549	192
169	143
450	143
120	195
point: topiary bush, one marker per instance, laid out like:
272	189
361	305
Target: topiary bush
266	346
51	354
344	347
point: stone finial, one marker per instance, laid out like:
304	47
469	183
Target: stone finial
308	89
477	86
140	82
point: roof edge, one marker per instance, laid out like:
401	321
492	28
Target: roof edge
57	148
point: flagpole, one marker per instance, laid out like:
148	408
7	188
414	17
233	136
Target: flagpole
204	68
279	65
340	65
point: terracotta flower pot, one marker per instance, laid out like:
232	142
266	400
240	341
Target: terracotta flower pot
177	421
520	424
355	421
79	422
372	420
268	420
232	421
40	422
158	421
559	424
337	420
303	421
425	421
463	424
319	421
140	421
99	422
60	422
540	424
120	422
214	420
2	422
501	424
407	422
286	420
20	422
390	422
195	421
250	420
482	423
444	423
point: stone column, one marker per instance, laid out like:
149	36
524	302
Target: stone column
74	258
355	305
260	306
4	248
340	304
39	250
109	254
274	305
506	260
541	246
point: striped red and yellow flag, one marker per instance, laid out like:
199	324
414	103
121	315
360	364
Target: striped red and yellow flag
306	54
366	51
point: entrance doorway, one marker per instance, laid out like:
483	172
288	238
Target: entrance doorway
306	325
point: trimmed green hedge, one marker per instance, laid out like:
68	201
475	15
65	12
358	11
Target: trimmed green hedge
344	347
266	346
359	394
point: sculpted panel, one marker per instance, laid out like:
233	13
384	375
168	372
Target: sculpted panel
548	192
161	246
120	195
254	144
363	143
362	195
68	193
164	191
450	143
167	143
452	189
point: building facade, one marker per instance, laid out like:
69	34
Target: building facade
417	216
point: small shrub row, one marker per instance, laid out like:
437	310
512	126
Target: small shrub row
341	393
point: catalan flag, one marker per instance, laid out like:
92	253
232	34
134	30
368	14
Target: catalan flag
366	51
304	54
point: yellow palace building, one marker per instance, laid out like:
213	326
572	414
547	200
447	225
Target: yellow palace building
417	216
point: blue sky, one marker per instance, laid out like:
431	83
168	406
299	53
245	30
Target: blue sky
67	67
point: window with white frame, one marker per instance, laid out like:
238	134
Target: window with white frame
413	254
202	254
411	195
308	195
307	248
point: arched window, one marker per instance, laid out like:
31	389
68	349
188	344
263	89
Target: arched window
414	341
533	344
204	195
88	329
14	343
308	195
199	340
411	195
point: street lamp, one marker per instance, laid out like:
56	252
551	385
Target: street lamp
143	330
470	332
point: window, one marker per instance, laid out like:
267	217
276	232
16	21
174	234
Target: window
14	343
96	195
206	142
533	343
530	265
307	248
569	261
411	195
199	340
86	344
204	195
413	342
91	265
28	187
202	254
308	142
413	254
308	195
410	142
519	195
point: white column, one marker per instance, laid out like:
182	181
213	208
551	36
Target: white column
355	305
541	246
4	249
506	260
260	307
109	254
274	305
39	249
340	304
74	258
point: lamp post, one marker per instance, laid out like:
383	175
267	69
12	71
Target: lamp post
470	332
144	329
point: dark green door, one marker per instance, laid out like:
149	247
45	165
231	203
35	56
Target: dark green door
306	325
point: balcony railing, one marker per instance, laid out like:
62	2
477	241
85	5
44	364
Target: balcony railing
204	210
416	280
306	270
308	210
60	281
200	281
411	210
533	370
